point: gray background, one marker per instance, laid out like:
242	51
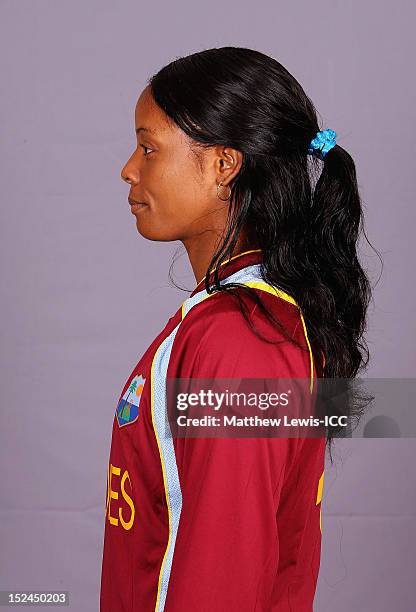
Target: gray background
83	294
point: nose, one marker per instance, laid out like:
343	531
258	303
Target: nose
130	173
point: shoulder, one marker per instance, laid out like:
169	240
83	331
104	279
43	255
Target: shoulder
215	339
223	311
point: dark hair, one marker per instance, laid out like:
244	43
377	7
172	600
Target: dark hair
306	214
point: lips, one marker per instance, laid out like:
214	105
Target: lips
136	206
136	202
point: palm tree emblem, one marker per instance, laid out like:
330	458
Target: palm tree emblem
125	414
128	407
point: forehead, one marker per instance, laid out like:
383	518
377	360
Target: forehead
148	114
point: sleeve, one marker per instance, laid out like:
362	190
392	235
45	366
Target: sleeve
226	551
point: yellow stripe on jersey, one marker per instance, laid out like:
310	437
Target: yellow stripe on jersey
319	497
320	489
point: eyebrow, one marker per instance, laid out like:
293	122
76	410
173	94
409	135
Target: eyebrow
145	129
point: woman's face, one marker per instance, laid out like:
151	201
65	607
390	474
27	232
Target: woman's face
180	198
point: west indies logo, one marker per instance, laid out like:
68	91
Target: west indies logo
128	407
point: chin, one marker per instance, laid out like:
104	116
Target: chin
151	231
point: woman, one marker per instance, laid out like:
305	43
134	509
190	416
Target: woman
228	150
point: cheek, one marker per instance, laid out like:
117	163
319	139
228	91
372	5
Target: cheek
180	200
174	207
178	193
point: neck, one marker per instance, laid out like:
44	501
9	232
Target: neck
202	248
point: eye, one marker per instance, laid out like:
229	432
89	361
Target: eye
144	147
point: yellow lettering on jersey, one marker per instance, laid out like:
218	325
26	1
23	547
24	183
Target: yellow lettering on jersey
108	490
319	497
129	501
112	494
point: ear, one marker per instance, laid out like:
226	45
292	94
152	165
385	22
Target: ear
228	164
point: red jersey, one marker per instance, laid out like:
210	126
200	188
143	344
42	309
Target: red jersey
212	524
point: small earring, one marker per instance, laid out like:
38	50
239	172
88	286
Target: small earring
218	195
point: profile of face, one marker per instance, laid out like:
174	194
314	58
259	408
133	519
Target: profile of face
179	194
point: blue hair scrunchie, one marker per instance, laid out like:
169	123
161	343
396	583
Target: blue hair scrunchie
322	143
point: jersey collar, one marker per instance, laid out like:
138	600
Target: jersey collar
231	265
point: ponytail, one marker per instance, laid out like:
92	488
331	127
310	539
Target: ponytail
333	230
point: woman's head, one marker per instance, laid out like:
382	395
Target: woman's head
213	111
184	187
237	115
